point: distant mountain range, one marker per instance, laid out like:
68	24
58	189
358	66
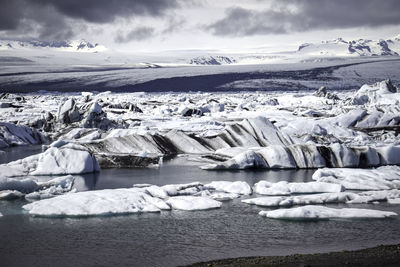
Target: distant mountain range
360	47
74	45
212	60
326	49
24	52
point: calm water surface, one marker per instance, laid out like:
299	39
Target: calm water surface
172	238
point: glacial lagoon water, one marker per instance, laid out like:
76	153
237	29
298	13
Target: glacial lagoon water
172	238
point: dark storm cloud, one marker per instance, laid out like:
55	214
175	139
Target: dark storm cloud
302	15
138	34
103	11
54	19
10	14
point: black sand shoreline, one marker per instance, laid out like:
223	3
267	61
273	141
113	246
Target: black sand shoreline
383	256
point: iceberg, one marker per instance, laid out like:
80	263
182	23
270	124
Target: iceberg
67	159
382	178
13	134
285	188
97	203
192	203
223	196
325	213
11	188
237	187
286	201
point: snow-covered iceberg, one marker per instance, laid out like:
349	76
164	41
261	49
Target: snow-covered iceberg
96	203
382	178
66	159
238	187
193	203
285	188
373	94
11	188
325	213
287	201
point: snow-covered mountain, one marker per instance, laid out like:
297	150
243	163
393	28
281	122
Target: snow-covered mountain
342	48
72	46
212	60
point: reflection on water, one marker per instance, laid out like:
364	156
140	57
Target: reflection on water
18	152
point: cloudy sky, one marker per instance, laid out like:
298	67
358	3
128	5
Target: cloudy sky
230	25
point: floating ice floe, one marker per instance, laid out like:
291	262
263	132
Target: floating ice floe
95	203
67	159
325	213
286	201
220	196
374	196
193	203
237	187
285	188
182	189
382	178
11	188
52	188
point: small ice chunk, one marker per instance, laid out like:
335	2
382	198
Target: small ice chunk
174	189
238	187
193	203
325	213
223	196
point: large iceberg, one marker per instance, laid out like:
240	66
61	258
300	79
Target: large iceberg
325	213
66	159
95	203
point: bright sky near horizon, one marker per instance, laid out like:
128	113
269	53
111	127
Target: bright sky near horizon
231	26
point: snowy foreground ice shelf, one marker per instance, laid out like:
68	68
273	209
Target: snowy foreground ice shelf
325	213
